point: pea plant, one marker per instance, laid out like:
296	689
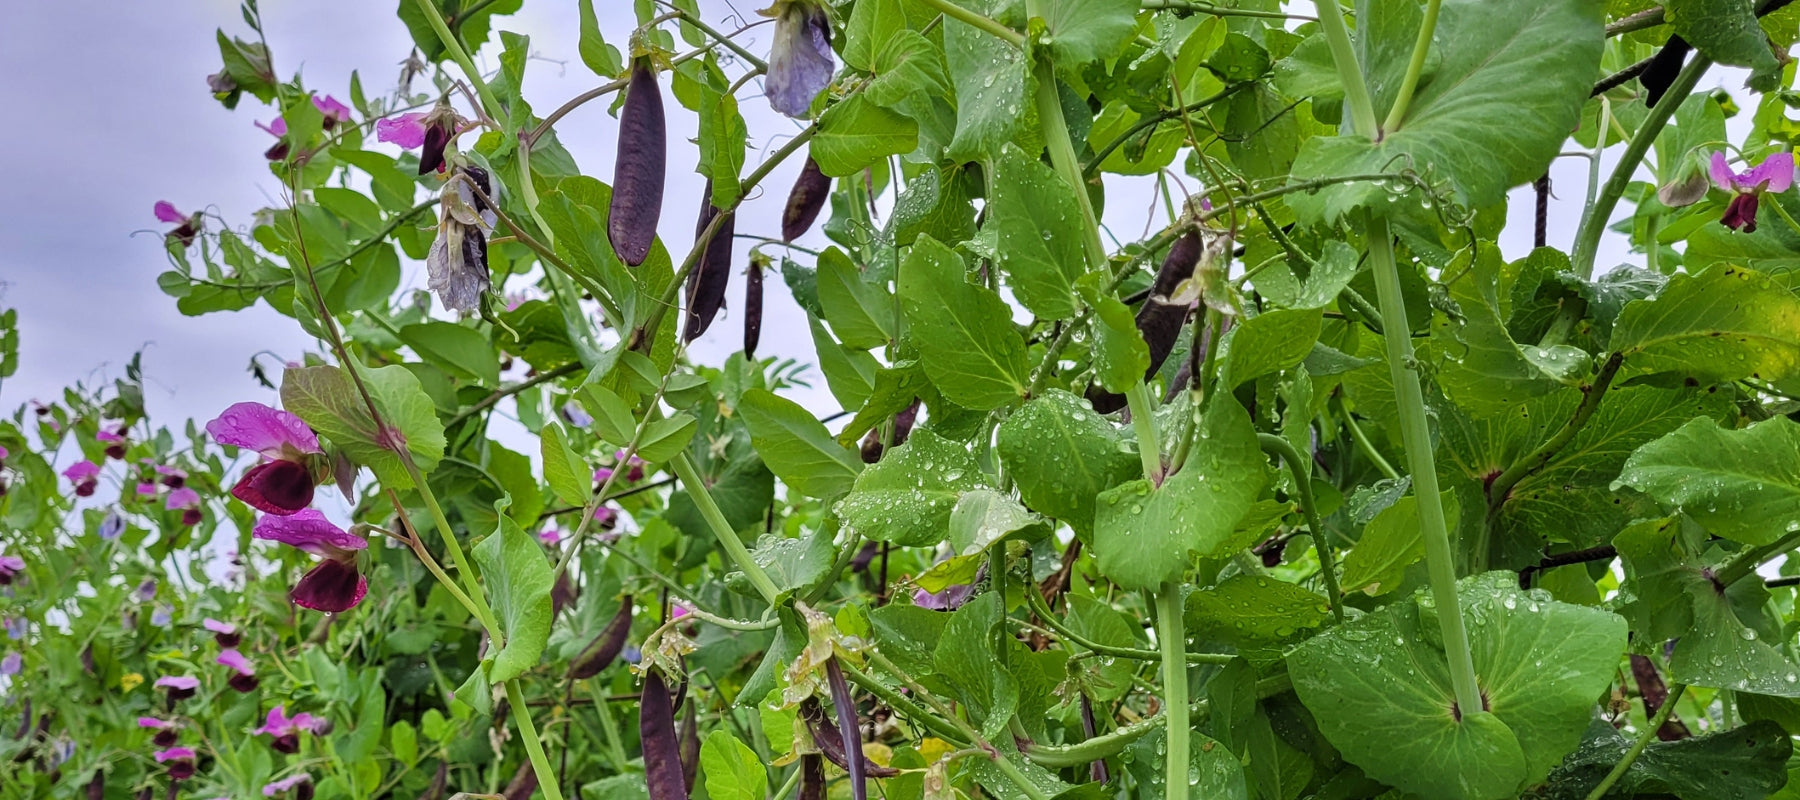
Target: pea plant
1306	491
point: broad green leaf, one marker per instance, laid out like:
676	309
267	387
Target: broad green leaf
893	390
458	350
1747	763
1495	112
1088	30
1039	232
1254	610
518	578
1724	324
993	89
1726	31
1268	342
613	418
793	564
982	517
568	475
665	437
327	400
733	770
935	202
907	64
875	24
906	498
1336	266
1380	690
722	137
860	311
1214	772
1483	369
403	740
850	373
797	447
964	333
964	659
1102	623
599	56
1143	535
1121	357
1062	455
1741	484
1390	543
856	132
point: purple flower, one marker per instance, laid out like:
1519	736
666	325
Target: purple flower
334	111
10	567
225	633
575	415
1774	174
550	536
283	483
4	452
163	615
180	687
286	730
302	780
335	585
172	477
277	129
635	471
428	132
85	475
245	679
114	440
146	489
606	518
167	731
406	130
165	212
800	62
180	761
146	591
949	599
188	501
15	628
186	227
11	664
112	526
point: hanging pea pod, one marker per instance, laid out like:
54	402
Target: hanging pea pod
753	307
812	777
848	729
600	653
662	751
690	745
524	783
440	783
830	740
1158	321
711	276
805	201
639	168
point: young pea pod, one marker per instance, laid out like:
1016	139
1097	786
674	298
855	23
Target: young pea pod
524	783
639	168
711	276
753	308
600	653
848	728
662	752
1664	66
830	740
440	783
805	201
690	745
812	777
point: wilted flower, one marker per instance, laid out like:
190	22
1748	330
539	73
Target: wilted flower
188	501
10	566
286	730
1774	174
293	461
245	679
335	585
186	227
167	731
180	687
85	475
800	62
180	761
11	664
457	265
225	633
300	784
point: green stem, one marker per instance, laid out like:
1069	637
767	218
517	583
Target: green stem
534	749
1062	155
1216	10
1593	224
508	391
1038	606
697	22
483	613
455	48
905	706
1643	741
1143	423
715	519
1414	68
1365	445
1747	561
1343	54
1539	458
986	24
610	727
1415	434
1298	467
1153	120
1173	642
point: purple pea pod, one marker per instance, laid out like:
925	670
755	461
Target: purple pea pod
848	728
830	740
812	777
711	276
690	745
753	308
606	647
440	783
523	785
1159	322
640	167
662	750
805	201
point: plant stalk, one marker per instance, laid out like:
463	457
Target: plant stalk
1414	68
455	48
1343	54
1637	747
715	519
1143	423
983	23
1173	641
1297	466
534	749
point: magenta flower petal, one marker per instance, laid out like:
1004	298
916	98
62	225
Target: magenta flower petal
4	452
310	531
104	435
12	664
331	108
81	471
1774	174
12	564
218	627
275	487
276	723
406	130
333	587
276	128
179	683
146	490
236	660
152	722
173	754
285	784
1721	173
269	431
550	536
182	498
165	212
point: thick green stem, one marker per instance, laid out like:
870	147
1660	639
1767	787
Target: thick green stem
1343	54
1216	10
484	614
986	24
1587	240
610	727
1415	434
454	46
1414	68
1637	747
1365	445
1173	641
1143	423
1747	561
1298	467
1062	158
1042	609
715	519
534	749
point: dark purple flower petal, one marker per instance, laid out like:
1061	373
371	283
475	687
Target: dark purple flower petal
275	487
1741	213
332	586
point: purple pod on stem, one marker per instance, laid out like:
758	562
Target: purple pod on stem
639	167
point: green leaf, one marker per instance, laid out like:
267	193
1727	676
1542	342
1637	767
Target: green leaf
849	373
1254	610
907	65
518	578
403	740
966	340
613	418
1390	543
458	350
874	24
993	89
1747	763
906	498
1484	370
1120	355
1062	455
797	447
733	770
1741	484
665	437
1214	772
1334	270
860	311
1380	690
1510	87
567	474
983	517
893	390
964	659
599	56
722	137
1088	30
1143	535
327	400
1268	342
1039	232
793	564
1726	31
1725	324
855	132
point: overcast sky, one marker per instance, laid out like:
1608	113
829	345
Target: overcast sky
110	113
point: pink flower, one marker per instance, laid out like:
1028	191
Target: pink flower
677	611
10	566
334	111
283	483
188	502
286	730
245	679
146	490
166	731
550	536
12	664
335	585
605	517
4	452
1774	174
173	477
635	471
406	130
85	475
180	687
165	212
285	784
225	633
180	761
